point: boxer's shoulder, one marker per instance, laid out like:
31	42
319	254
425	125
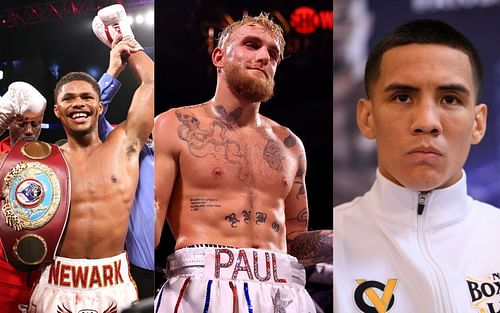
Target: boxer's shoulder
277	128
283	133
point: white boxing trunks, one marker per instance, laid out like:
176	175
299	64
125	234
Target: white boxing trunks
84	285
229	280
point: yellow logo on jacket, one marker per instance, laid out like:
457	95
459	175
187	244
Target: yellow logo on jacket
379	303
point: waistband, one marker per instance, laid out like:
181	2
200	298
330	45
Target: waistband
245	264
87	273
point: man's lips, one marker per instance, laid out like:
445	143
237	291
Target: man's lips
425	152
28	138
79	116
260	70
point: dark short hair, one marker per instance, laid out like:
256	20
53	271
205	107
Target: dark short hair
423	31
74	76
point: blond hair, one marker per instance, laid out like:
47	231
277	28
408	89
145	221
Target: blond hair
263	20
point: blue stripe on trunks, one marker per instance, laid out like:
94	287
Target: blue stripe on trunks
207	297
247	296
160	294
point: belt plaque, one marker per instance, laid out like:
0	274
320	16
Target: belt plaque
35	201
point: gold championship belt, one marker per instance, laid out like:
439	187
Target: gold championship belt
35	189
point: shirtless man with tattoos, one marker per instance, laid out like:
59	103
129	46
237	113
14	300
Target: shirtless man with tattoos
91	271
231	185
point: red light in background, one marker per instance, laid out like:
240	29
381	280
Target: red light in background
74	8
326	19
55	10
306	20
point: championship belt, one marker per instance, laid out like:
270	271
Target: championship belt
35	188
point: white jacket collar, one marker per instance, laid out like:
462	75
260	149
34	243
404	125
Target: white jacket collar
392	203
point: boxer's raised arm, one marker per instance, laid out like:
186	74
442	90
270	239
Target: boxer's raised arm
111	27
140	116
109	85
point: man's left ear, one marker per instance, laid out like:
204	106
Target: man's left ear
218	57
101	108
364	118
479	127
56	111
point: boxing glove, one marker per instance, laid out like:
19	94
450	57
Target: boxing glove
109	22
20	99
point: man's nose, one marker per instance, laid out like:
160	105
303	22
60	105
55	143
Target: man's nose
78	103
263	55
28	129
427	118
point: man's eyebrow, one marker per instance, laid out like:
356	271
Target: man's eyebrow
398	87
272	46
73	94
455	87
68	94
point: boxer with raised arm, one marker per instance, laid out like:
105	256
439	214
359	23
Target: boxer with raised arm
21	112
22	109
91	272
139	243
231	184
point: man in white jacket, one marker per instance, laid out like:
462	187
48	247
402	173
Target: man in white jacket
416	242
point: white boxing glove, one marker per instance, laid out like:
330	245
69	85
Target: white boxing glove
101	32
20	99
109	22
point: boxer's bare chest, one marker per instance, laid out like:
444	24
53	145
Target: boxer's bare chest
215	154
98	177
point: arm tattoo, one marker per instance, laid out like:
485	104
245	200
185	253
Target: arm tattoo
312	247
299	179
290	141
301	191
302	217
232	219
